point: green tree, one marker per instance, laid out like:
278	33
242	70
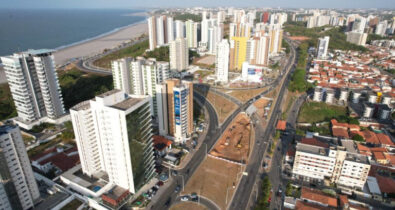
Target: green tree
358	137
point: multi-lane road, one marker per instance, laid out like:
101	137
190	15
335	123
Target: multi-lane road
242	196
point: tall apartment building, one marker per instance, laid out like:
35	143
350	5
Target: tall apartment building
18	188
191	33
322	48
215	34
240	29
34	86
139	76
175	98
258	50
359	24
113	132
316	163
180	29
357	38
179	54
152	32
222	61
276	38
160	30
238	52
170	29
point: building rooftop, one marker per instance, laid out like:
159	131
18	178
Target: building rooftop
301	147
81	106
281	125
108	93
318	196
314	142
39	51
127	103
349	145
357	158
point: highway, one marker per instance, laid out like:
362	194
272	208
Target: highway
247	183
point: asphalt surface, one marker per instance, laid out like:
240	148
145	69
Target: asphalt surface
246	185
202	201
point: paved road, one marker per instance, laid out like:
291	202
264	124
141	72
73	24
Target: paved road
86	64
202	201
247	183
229	97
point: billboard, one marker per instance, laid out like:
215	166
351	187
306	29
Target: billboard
251	71
177	106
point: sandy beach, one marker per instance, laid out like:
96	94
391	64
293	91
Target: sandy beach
95	46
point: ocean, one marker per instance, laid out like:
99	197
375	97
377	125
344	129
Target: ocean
55	28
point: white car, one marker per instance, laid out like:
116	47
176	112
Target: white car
184	198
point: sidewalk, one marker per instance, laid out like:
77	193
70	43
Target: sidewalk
200	140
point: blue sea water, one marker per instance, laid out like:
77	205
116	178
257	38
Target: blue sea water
53	28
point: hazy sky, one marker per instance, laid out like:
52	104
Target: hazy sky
186	3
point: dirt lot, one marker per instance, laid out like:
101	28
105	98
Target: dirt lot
205	60
188	206
213	179
234	144
245	95
222	106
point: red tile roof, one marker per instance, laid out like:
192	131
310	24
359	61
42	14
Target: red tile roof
161	143
281	125
384	139
301	205
314	142
386	184
318	196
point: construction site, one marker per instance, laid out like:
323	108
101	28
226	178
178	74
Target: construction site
218	176
236	141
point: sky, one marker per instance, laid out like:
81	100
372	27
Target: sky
37	4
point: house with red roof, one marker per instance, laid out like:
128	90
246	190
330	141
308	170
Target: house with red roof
162	145
281	125
58	158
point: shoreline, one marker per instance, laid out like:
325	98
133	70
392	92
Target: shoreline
97	44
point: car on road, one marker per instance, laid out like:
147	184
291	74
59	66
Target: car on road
185	198
280	191
168	202
178	188
194	197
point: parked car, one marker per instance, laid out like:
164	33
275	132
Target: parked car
194	197
185	198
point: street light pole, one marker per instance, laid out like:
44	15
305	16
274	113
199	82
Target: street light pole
227	191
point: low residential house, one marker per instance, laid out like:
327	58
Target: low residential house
56	158
317	197
162	145
281	125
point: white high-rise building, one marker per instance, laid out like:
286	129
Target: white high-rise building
215	35
179	55
204	31
122	138
139	76
191	33
34	86
160	30
258	50
357	38
170	29
359	24
152	32
180	29
322	49
222	61
381	28
18	187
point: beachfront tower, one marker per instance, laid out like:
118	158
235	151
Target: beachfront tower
34	86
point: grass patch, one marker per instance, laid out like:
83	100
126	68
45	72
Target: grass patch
132	51
39	128
7	107
203	74
74	204
314	112
42	147
245	95
263	202
78	86
337	36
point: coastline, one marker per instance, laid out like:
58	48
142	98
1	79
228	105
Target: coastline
97	44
